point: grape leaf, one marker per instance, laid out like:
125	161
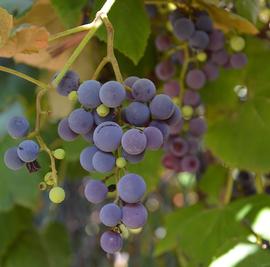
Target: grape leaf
248	9
131	25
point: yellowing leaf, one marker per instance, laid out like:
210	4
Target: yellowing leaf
26	40
226	20
6	23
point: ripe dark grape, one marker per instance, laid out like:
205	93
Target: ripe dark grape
165	70
162	126
133	158
154	137
88	94
134	141
204	23
175	15
163	42
143	90
220	57
12	160
18	126
129	82
137	114
169	161
191	98
80	121
65	132
110	215
103	162
70	82
172	88
190	163
111	242
131	188
110	117
89	136
211	71
107	136
238	60
216	40
179	147
28	150
195	79
199	40
86	157
112	94
197	127
176	128
176	116
95	191
161	107
178	57
183	28
134	215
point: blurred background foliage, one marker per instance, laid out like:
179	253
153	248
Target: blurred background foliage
189	225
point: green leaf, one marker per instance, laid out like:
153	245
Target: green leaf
56	243
17	8
73	149
27	251
12	223
212	183
131	25
238	130
248	9
69	10
17	187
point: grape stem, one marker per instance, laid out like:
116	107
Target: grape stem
259	183
110	57
183	73
229	188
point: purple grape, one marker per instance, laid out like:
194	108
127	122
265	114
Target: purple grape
131	188
65	132
172	88
179	147
190	163
112	94
197	127
169	161
107	136
162	126
103	162
199	40
86	157
220	57
137	114
162	107
163	42
183	28
88	94
130	81
211	71
80	121
151	10
95	191
134	141
193	145
110	117
178	57
238	60
12	160
18	126
133	158
176	116
195	79
143	90
154	137
216	40
176	128
111	242
204	23
110	215
28	150
134	215
88	137
165	70
175	15
191	98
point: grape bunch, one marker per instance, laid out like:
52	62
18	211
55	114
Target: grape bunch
193	50
121	121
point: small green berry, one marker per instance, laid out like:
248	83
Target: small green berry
102	110
59	153
202	56
57	195
187	112
42	186
73	96
48	179
121	162
237	43
176	101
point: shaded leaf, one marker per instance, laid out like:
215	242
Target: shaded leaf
248	9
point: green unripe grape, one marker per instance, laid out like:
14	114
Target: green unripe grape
237	43
57	195
176	101
102	110
202	56
73	96
187	112
48	179
59	153
42	186
121	162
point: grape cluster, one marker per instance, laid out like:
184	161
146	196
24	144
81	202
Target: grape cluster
193	50
121	122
